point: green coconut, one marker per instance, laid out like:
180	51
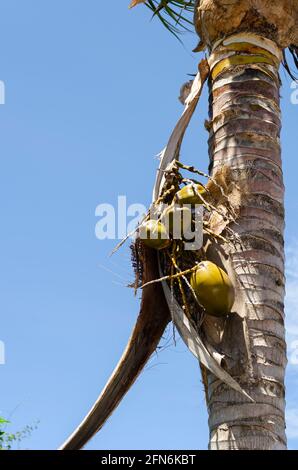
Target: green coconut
213	288
177	220
191	194
154	234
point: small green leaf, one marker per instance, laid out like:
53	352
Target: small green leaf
3	421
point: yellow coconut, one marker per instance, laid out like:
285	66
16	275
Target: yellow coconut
213	288
177	220
154	234
191	194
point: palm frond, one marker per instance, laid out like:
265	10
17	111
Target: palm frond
294	53
175	15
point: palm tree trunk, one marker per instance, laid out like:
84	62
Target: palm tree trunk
244	139
244	135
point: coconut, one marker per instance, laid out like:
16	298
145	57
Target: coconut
153	233
190	194
177	220
213	288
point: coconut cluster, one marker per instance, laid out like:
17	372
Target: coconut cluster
274	19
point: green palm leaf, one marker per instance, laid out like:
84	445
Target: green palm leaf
175	15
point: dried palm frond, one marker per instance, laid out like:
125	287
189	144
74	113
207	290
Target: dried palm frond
153	318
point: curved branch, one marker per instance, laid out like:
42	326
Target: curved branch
152	320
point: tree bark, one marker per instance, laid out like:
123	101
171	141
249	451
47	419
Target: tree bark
244	135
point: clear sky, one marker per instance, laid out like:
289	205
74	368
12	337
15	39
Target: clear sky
91	97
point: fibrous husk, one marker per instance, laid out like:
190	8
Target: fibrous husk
227	196
185	91
273	19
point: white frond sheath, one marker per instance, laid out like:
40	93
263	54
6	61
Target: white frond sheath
186	330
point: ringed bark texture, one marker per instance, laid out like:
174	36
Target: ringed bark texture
245	135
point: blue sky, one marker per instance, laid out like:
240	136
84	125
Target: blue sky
91	97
